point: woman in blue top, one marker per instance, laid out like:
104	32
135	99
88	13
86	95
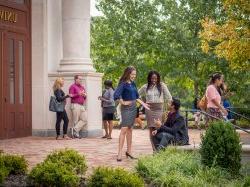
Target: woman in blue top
127	95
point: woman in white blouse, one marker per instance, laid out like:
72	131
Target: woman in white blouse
155	93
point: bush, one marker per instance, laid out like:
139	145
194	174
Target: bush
174	167
221	147
3	173
163	163
11	164
60	168
15	164
70	158
246	181
53	174
114	177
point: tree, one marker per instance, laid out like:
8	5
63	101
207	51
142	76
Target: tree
229	38
156	34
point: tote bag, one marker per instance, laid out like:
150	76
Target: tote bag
55	106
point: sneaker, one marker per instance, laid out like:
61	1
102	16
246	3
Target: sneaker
75	133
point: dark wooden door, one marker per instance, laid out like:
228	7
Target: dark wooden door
16	85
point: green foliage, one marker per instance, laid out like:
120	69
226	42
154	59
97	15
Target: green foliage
15	164
221	147
174	167
3	173
69	157
12	164
60	168
53	174
162	35
114	177
246	181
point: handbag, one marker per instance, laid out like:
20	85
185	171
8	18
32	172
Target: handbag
202	104
55	106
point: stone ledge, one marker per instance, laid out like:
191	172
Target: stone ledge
52	133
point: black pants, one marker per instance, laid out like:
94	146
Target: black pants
162	139
59	117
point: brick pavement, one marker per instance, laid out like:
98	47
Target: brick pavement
97	151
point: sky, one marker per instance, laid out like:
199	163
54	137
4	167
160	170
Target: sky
93	10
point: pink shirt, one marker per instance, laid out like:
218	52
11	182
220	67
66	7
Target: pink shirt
75	90
212	93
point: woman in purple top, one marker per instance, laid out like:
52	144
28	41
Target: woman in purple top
127	95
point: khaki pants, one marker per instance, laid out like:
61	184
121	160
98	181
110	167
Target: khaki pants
79	116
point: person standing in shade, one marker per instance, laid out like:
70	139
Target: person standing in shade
61	97
214	107
78	100
108	108
127	95
155	93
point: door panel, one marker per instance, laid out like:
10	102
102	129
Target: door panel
16	85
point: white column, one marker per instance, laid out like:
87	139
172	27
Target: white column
76	36
76	60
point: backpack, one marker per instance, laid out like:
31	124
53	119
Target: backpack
202	104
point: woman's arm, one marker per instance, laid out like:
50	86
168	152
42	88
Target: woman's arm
220	106
110	98
166	94
59	95
145	105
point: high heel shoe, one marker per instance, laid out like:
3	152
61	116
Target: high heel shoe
130	156
119	160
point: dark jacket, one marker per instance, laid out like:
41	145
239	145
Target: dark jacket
60	95
175	125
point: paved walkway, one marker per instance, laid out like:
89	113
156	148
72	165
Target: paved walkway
97	151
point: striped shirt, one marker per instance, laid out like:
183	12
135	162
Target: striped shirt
152	95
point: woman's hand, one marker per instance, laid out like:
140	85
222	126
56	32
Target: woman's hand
154	132
157	122
224	111
145	105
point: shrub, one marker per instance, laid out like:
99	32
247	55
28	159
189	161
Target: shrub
174	167
60	168
221	147
15	164
11	164
69	157
53	174
3	173
114	177
163	163
246	181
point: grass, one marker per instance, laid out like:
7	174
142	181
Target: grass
174	167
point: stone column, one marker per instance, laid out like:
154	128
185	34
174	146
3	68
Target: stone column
76	36
76	60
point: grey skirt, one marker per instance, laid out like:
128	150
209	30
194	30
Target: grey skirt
128	115
155	112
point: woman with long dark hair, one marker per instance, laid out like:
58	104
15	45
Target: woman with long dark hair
155	93
127	95
213	95
108	108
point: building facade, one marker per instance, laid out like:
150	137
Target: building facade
39	41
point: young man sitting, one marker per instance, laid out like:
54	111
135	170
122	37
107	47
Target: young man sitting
174	129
